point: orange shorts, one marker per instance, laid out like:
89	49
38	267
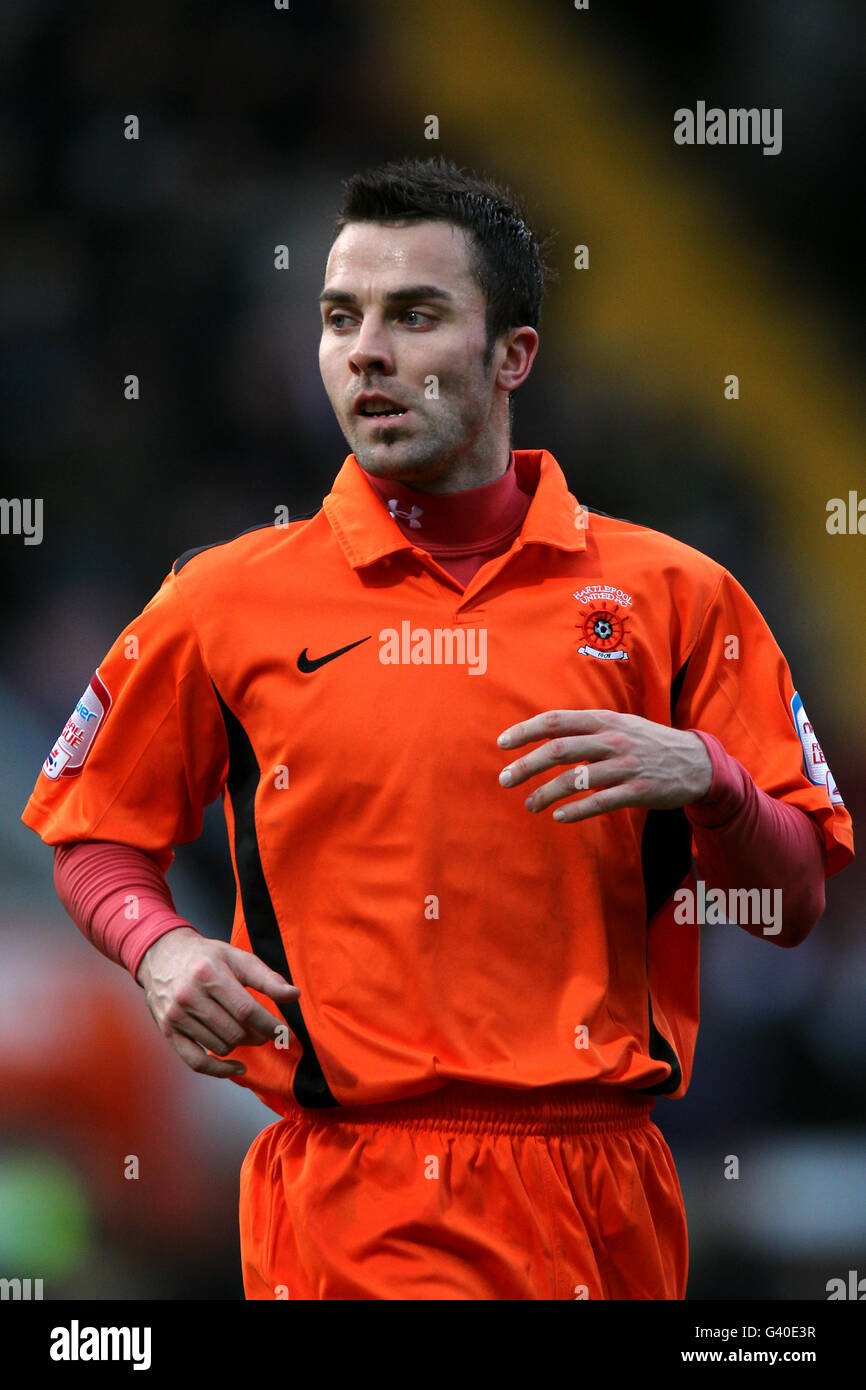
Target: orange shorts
471	1192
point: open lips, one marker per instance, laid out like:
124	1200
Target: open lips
377	407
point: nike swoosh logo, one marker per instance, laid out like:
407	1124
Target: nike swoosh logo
305	663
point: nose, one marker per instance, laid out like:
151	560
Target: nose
371	350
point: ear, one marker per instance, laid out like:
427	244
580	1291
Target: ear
521	345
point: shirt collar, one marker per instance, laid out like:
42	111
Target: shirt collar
366	531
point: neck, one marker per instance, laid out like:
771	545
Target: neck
457	521
460	477
484	464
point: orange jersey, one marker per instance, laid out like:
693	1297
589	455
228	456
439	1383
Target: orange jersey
344	695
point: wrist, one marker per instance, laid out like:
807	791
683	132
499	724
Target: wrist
704	771
726	796
141	970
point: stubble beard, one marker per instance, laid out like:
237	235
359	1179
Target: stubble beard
415	456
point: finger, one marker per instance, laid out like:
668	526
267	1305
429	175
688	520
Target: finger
218	1030
610	799
250	970
582	778
195	1015
553	722
255	1021
212	995
574	749
201	1061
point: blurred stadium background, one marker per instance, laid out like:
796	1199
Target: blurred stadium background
156	257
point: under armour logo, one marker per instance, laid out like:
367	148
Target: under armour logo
410	516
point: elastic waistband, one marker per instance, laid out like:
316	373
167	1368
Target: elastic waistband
577	1108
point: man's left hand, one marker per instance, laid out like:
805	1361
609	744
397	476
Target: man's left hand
634	762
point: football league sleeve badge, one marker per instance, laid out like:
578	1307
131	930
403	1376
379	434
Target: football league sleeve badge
67	757
814	762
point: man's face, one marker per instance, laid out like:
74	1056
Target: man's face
403	316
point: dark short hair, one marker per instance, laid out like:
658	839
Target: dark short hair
508	260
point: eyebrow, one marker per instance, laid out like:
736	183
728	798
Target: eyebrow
399	296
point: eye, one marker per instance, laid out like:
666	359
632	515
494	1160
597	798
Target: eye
417	313
333	317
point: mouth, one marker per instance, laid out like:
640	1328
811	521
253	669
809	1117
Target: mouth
383	417
372	406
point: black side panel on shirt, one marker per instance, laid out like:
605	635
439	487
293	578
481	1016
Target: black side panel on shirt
677	685
310	1087
188	555
666	856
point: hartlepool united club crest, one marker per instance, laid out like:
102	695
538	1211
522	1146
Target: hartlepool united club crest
603	624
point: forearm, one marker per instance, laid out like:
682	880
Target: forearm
118	897
747	839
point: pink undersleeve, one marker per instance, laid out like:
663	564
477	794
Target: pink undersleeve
118	896
747	839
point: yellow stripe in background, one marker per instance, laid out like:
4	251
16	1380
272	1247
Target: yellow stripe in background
679	293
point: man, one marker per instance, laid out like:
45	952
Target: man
462	1009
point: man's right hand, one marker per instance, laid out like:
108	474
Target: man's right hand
194	987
